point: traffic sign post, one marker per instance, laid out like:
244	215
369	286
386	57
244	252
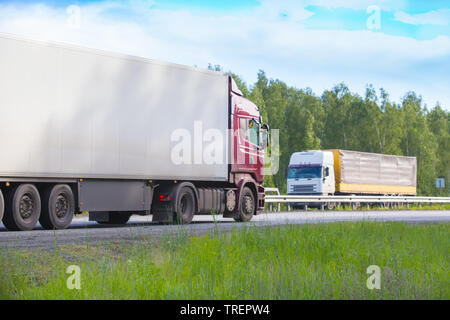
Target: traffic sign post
440	184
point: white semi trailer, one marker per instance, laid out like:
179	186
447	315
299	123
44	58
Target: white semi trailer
88	130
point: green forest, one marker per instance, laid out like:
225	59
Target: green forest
340	119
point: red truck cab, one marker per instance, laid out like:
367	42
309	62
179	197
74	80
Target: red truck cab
248	145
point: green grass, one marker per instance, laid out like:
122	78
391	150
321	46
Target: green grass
326	261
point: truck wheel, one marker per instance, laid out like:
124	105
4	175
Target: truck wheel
185	207
23	208
2	205
117	218
331	205
247	207
356	205
58	207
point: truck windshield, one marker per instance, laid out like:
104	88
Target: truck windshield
304	173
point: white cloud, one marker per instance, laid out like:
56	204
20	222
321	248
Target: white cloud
359	4
245	43
438	17
294	9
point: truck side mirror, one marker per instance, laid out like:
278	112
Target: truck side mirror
326	173
264	136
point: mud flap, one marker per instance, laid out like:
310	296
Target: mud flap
163	213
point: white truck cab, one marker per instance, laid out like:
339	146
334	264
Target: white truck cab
311	173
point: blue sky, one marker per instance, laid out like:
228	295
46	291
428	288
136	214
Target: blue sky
398	45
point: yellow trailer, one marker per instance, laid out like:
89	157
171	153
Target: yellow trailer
371	173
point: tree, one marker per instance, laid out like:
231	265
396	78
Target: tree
419	141
309	140
439	124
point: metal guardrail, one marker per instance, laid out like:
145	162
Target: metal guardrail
353	200
275	190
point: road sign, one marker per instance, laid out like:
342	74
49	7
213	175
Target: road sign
440	183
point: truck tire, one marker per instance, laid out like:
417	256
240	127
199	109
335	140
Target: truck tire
331	205
185	206
23	208
58	207
2	205
356	205
247	206
117	218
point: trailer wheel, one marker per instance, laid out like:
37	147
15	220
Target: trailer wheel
2	205
247	207
185	207
356	205
23	208
58	207
331	205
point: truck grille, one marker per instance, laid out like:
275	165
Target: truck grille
303	188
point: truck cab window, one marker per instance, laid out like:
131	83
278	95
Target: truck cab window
243	126
253	132
250	130
304	173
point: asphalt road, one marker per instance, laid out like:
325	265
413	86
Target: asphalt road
83	231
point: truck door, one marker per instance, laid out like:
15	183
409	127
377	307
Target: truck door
328	180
